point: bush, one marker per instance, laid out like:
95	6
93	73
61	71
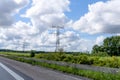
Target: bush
68	58
32	54
113	62
93	60
108	62
101	54
83	59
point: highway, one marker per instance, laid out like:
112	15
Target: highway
4	75
14	70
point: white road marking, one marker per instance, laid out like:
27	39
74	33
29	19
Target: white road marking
16	76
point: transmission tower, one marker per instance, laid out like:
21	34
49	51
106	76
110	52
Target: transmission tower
24	45
57	37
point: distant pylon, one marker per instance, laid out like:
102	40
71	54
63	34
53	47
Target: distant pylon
24	45
57	37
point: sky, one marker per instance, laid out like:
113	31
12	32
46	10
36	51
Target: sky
28	23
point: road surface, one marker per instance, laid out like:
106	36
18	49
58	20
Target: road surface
14	70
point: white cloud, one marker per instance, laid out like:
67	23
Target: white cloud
72	41
13	38
99	40
16	34
18	1
79	45
43	14
8	8
103	17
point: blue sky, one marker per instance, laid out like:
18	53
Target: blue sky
79	8
84	25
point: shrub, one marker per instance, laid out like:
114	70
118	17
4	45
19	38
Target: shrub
101	54
32	53
68	58
75	59
93	60
113	62
83	59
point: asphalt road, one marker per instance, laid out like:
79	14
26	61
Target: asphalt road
7	72
14	70
4	75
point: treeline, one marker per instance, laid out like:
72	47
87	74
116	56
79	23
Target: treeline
17	51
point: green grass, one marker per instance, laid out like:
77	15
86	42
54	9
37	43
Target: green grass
85	73
16	54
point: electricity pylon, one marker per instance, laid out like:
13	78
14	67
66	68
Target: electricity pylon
24	45
57	37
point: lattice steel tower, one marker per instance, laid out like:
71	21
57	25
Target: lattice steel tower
57	37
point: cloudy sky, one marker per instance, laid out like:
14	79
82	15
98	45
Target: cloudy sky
85	22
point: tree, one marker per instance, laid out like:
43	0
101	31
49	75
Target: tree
95	49
32	53
111	46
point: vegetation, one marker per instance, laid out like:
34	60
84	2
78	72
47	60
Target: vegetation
108	61
20	54
32	53
111	46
